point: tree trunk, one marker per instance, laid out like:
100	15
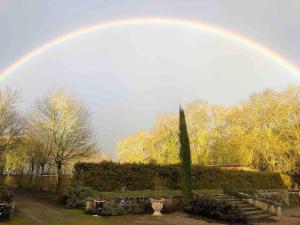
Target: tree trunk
32	168
32	173
59	176
42	169
42	177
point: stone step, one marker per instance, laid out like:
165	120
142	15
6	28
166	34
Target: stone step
248	208
233	200
253	212
225	199
223	196
259	216
242	204
239	201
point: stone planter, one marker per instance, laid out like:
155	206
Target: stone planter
157	205
89	205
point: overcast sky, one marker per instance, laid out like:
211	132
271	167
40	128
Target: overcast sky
128	75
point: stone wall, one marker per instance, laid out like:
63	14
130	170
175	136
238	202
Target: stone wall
268	206
276	195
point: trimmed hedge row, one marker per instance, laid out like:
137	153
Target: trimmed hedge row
111	176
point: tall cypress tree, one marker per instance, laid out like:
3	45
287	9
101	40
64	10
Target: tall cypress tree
186	162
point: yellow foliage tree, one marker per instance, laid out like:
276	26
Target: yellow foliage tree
262	132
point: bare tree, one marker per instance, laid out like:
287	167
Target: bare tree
63	127
10	120
37	152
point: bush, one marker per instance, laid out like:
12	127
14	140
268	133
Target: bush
230	191
168	207
110	176
6	195
5	212
75	197
215	209
287	180
124	206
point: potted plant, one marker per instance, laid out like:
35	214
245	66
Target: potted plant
157	202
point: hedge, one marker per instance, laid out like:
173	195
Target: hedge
111	176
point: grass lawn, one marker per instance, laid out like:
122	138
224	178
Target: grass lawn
76	217
31	209
35	212
65	217
151	193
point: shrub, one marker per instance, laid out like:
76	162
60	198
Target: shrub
218	210
111	176
5	212
284	197
230	191
124	206
168	207
287	180
75	197
6	195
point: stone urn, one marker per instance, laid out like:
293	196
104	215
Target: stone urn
89	205
157	205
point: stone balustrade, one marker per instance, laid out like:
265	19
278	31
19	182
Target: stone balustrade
264	204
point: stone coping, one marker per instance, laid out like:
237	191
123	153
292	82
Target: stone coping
268	201
132	197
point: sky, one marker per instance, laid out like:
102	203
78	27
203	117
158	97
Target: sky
128	75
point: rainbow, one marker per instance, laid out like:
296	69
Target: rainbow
144	21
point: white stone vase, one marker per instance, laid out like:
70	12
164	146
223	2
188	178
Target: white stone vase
157	205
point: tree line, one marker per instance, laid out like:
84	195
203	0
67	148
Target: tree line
262	132
53	134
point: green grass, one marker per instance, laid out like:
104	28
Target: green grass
30	211
77	217
152	193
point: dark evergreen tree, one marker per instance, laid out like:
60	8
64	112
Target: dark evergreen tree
186	162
